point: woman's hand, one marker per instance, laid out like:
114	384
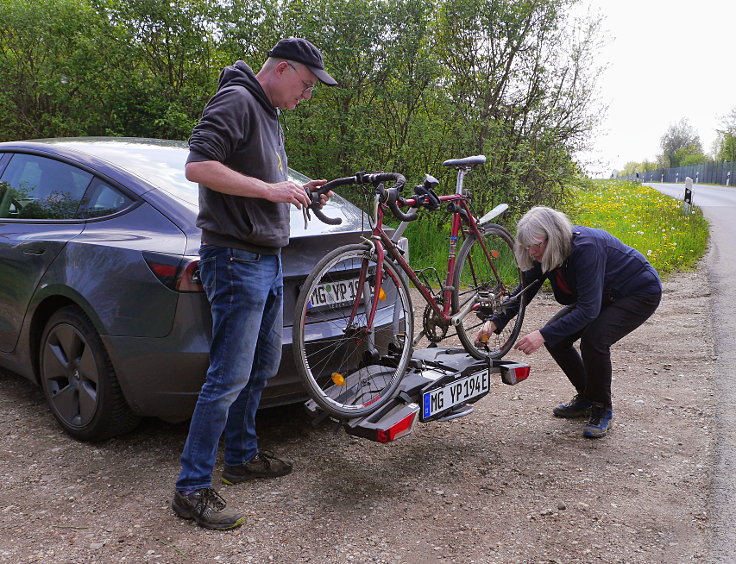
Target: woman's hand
485	332
530	343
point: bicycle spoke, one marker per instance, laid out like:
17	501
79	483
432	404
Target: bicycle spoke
490	283
348	367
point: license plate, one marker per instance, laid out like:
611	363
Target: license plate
334	293
454	393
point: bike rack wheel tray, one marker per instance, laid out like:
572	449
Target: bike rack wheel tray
440	384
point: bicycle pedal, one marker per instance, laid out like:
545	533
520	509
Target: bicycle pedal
460	411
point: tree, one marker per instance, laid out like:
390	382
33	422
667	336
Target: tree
167	63
727	148
49	56
420	81
680	143
726	141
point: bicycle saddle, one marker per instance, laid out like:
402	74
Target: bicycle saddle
467	161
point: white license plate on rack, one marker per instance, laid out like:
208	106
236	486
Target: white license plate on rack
334	293
454	393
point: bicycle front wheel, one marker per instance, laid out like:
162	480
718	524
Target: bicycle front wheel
483	281
349	368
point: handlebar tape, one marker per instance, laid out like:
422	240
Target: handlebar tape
377	179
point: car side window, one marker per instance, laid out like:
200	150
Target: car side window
102	199
34	187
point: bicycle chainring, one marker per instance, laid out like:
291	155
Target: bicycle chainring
435	329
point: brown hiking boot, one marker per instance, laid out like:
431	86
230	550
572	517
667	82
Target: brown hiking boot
207	508
263	465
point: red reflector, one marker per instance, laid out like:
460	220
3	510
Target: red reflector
164	270
397	430
514	374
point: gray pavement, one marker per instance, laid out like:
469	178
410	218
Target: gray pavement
719	208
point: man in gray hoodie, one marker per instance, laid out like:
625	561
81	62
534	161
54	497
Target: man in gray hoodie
237	156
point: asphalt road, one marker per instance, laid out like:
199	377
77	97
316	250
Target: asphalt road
719	208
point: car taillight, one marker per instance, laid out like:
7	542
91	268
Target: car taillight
189	280
180	273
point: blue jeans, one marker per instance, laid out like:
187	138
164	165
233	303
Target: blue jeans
245	291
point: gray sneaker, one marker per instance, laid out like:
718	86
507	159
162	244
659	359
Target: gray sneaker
207	508
262	465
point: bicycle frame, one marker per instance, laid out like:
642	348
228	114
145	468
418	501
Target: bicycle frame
382	244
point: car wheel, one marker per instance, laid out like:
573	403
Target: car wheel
78	379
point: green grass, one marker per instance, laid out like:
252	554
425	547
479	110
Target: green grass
645	219
639	216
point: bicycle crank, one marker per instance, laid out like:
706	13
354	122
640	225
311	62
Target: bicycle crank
434	327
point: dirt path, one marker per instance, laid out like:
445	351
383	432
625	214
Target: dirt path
509	483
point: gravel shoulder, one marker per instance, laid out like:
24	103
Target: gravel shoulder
509	483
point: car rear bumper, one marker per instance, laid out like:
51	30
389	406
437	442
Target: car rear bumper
161	378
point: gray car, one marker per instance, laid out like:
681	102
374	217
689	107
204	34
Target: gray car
100	301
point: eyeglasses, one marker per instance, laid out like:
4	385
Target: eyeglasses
536	246
307	87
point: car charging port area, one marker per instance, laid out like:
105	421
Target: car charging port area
440	384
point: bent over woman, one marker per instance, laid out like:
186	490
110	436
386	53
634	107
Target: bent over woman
608	290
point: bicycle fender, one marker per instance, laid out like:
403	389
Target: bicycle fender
495	212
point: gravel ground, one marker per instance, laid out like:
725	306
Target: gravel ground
509	483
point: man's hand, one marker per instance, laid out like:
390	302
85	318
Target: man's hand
288	192
313	185
530	343
216	176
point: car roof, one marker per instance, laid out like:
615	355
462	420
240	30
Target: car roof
142	158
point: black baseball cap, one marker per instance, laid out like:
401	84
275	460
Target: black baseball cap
302	51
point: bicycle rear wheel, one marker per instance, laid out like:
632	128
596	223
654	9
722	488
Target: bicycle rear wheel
475	280
349	369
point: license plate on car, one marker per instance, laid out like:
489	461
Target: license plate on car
456	392
334	293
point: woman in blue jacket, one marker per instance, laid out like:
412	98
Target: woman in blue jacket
608	290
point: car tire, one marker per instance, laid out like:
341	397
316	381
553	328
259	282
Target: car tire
78	379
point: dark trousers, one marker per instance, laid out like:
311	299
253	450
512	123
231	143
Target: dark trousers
590	369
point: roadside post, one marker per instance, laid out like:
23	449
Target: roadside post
688	199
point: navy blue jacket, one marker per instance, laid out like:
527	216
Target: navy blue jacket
599	270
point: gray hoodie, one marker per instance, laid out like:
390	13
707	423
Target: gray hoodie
240	128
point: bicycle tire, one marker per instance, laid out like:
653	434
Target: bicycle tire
473	276
343	372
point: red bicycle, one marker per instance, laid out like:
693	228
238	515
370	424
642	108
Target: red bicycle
353	331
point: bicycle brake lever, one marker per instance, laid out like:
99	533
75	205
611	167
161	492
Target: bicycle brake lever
305	209
307	218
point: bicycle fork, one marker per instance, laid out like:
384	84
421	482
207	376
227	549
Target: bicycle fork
370	301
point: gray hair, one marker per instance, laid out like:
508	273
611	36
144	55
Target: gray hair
543	224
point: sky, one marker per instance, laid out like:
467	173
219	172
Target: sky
665	61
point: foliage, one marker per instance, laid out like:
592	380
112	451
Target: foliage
681	146
726	141
420	80
727	148
670	236
633	168
641	217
